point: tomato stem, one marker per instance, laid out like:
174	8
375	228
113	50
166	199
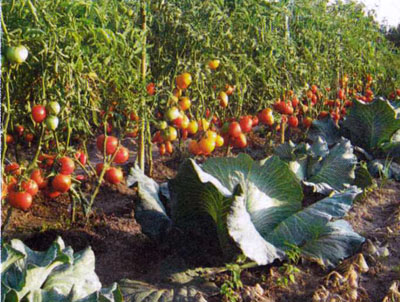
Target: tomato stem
5	128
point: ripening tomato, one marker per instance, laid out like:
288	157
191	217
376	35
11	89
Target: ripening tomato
219	141
341	94
323	114
133	116
314	89
177	92
368	93
37	177
193	127
307	122
168	147
13	169
398	92
67	165
184	103
213	64
293	121
61	183
246	123
30	186
39	113
111	144
162	149
151	88
240	141
223	99
122	155
229	89
234	129
185	122
193	147
9	139
114	175
185	134
183	80
20	200
314	99
178	122
204	124
172	113
207	145
266	117
170	134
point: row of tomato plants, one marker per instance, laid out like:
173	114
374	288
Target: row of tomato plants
53	171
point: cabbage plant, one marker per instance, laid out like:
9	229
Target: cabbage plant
56	275
257	205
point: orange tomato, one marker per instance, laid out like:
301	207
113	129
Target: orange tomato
183	80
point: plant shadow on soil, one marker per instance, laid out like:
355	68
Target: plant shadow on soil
123	251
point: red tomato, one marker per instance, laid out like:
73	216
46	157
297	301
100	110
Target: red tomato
52	193
67	165
111	144
39	113
19	129
37	176
20	200
255	121
99	168
151	88
293	121
114	175
246	123
295	101
121	156
323	114
13	169
29	137
235	129
61	183
30	186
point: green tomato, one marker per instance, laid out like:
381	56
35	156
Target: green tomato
17	54
162	125
52	122
53	108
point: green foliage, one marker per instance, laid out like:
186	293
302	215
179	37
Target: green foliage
325	169
56	275
82	54
264	54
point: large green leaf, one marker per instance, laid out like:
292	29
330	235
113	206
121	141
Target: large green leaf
370	125
326	129
271	191
310	228
320	167
149	210
56	275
